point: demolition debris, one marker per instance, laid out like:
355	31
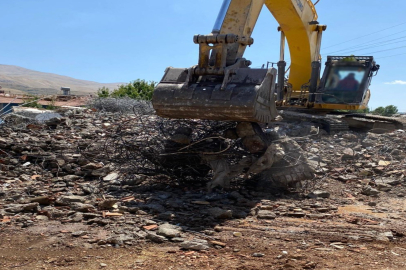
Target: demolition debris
146	179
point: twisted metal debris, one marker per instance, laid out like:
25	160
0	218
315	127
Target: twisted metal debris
185	150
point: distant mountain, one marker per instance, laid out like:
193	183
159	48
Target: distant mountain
20	80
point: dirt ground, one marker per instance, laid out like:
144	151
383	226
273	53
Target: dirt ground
344	238
301	245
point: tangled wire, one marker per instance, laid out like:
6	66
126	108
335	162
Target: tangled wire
142	143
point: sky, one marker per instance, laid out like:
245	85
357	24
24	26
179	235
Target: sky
124	40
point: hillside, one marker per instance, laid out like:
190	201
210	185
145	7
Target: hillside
17	80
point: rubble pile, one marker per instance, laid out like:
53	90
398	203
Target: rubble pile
93	171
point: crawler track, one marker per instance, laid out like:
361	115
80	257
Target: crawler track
330	123
336	123
396	122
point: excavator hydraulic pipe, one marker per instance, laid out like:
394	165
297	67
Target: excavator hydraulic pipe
281	80
282	46
314	79
221	16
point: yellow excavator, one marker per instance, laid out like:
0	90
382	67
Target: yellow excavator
223	86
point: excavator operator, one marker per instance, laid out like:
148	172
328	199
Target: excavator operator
349	83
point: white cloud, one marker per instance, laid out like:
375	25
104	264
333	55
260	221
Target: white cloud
397	82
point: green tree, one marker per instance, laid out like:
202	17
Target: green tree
379	111
391	110
138	89
103	92
386	111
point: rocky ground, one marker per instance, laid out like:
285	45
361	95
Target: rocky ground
65	203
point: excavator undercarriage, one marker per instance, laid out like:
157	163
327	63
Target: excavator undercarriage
337	122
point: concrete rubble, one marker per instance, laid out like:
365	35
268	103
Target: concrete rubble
55	172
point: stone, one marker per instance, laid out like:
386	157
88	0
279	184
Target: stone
71	178
120	239
383	187
219	213
385	237
369	191
366	172
43	200
368	143
82	207
350	137
111	177
78	233
389	235
156	238
258	255
77	217
296	214
195	244
388	181
102	172
92	166
266	214
141	213
178	240
319	194
218	243
348	153
141	234
68	200
17	208
107	204
317	216
42	218
384	163
90	189
237	234
168	230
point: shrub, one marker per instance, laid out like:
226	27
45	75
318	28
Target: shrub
138	89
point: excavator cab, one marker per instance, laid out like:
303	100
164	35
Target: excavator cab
345	82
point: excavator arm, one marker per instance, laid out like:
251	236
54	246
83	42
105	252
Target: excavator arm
297	20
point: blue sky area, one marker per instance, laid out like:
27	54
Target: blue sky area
123	40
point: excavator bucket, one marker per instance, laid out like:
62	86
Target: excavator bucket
243	95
